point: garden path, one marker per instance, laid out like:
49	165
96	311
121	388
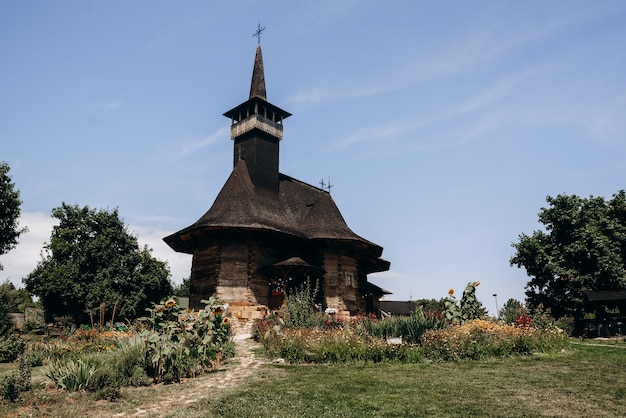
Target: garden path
168	398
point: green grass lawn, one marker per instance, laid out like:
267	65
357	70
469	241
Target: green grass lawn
585	380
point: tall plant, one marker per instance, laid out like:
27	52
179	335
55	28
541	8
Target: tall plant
300	305
181	343
468	308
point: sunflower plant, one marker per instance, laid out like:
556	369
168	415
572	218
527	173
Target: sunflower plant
468	308
183	343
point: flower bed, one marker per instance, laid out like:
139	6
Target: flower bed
476	339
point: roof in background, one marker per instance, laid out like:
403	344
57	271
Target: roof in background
394	307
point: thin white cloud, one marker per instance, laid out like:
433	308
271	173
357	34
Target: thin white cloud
499	89
111	104
480	45
448	57
488	122
495	94
192	147
374	133
345	92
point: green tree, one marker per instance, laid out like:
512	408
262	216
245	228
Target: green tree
14	299
9	212
94	265
582	248
432	306
182	290
6	324
511	310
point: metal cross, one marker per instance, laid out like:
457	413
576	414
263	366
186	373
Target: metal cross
257	34
326	186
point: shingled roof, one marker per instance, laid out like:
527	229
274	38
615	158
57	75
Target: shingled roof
257	86
298	210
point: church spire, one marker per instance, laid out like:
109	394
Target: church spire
256	129
257	86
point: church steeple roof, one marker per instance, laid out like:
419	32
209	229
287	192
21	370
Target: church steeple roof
257	86
257	105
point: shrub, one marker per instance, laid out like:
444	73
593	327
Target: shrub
103	378
262	327
33	356
128	361
9	390
111	394
12	385
34	327
11	347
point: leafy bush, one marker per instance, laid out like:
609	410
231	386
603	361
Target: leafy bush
11	347
410	328
33	356
103	378
12	385
9	390
111	394
34	327
128	361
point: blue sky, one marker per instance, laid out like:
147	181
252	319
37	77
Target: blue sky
442	125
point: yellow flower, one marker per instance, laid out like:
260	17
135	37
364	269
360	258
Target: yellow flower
451	292
225	321
170	303
476	284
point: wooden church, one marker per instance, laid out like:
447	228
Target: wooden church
267	233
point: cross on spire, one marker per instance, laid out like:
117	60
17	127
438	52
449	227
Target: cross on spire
257	34
326	186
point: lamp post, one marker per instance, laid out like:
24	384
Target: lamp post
495	295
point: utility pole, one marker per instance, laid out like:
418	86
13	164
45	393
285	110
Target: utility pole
495	295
